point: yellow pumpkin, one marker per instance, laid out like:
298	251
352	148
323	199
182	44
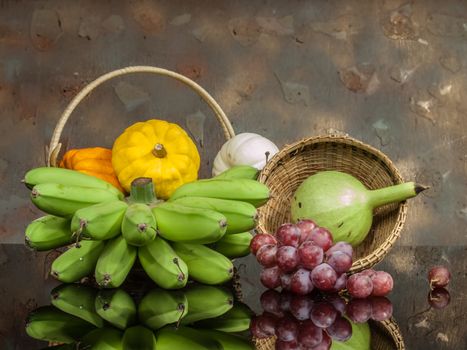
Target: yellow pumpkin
157	149
94	161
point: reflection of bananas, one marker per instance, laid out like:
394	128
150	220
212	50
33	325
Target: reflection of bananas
237	319
116	307
105	338
228	341
48	232
138	338
184	338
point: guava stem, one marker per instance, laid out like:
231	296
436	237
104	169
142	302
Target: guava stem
392	194
142	190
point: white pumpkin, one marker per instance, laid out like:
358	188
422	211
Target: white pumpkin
244	149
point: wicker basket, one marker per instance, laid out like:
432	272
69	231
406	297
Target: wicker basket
293	164
53	149
385	335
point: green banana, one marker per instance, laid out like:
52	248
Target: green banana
239	172
138	338
204	264
160	307
184	338
244	190
115	263
237	319
139	225
105	338
185	224
77	300
48	232
228	341
241	216
67	177
116	307
163	265
65	200
77	262
206	302
71	346
50	324
234	245
99	221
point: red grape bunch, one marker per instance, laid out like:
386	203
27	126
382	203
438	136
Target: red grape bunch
370	282
312	322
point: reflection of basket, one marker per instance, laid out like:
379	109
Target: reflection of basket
55	145
385	335
293	164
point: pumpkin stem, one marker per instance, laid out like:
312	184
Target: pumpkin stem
142	190
159	150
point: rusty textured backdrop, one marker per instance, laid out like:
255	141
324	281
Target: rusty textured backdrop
390	73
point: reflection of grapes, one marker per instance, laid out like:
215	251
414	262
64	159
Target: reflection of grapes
287	345
381	308
340	330
300	307
359	310
325	343
439	298
270	302
323	314
309	335
287	328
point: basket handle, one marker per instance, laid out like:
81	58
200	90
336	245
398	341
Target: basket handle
53	149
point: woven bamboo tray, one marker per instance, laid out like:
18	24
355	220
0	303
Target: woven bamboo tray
293	164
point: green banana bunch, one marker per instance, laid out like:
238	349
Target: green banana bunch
244	190
237	319
163	265
228	341
239	172
138	338
160	307
204	264
50	324
185	224
139	225
65	200
116	307
234	245
206	302
77	300
67	177
184	338
105	338
48	232
100	221
77	262
241	216
114	263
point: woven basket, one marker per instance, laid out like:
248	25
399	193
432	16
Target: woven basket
385	335
53	149
293	164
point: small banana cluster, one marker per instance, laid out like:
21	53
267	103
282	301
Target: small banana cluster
194	234
199	317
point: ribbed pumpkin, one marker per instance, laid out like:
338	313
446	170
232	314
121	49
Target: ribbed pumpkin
159	150
95	161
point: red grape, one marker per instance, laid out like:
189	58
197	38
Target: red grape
286	278
340	330
288	234
359	286
309	335
368	272
338	302
359	310
270	301
301	283
286	300
287	345
343	247
325	343
381	308
287	258
339	261
261	239
256	330
323	314
300	307
287	328
439	298
324	277
341	282
439	276
322	238
310	255
266	255
270	277
305	226
382	283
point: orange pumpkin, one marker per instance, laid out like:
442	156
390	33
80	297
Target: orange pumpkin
95	161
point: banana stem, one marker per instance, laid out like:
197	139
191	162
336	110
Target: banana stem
142	190
396	193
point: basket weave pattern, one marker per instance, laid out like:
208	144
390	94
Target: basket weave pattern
293	164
